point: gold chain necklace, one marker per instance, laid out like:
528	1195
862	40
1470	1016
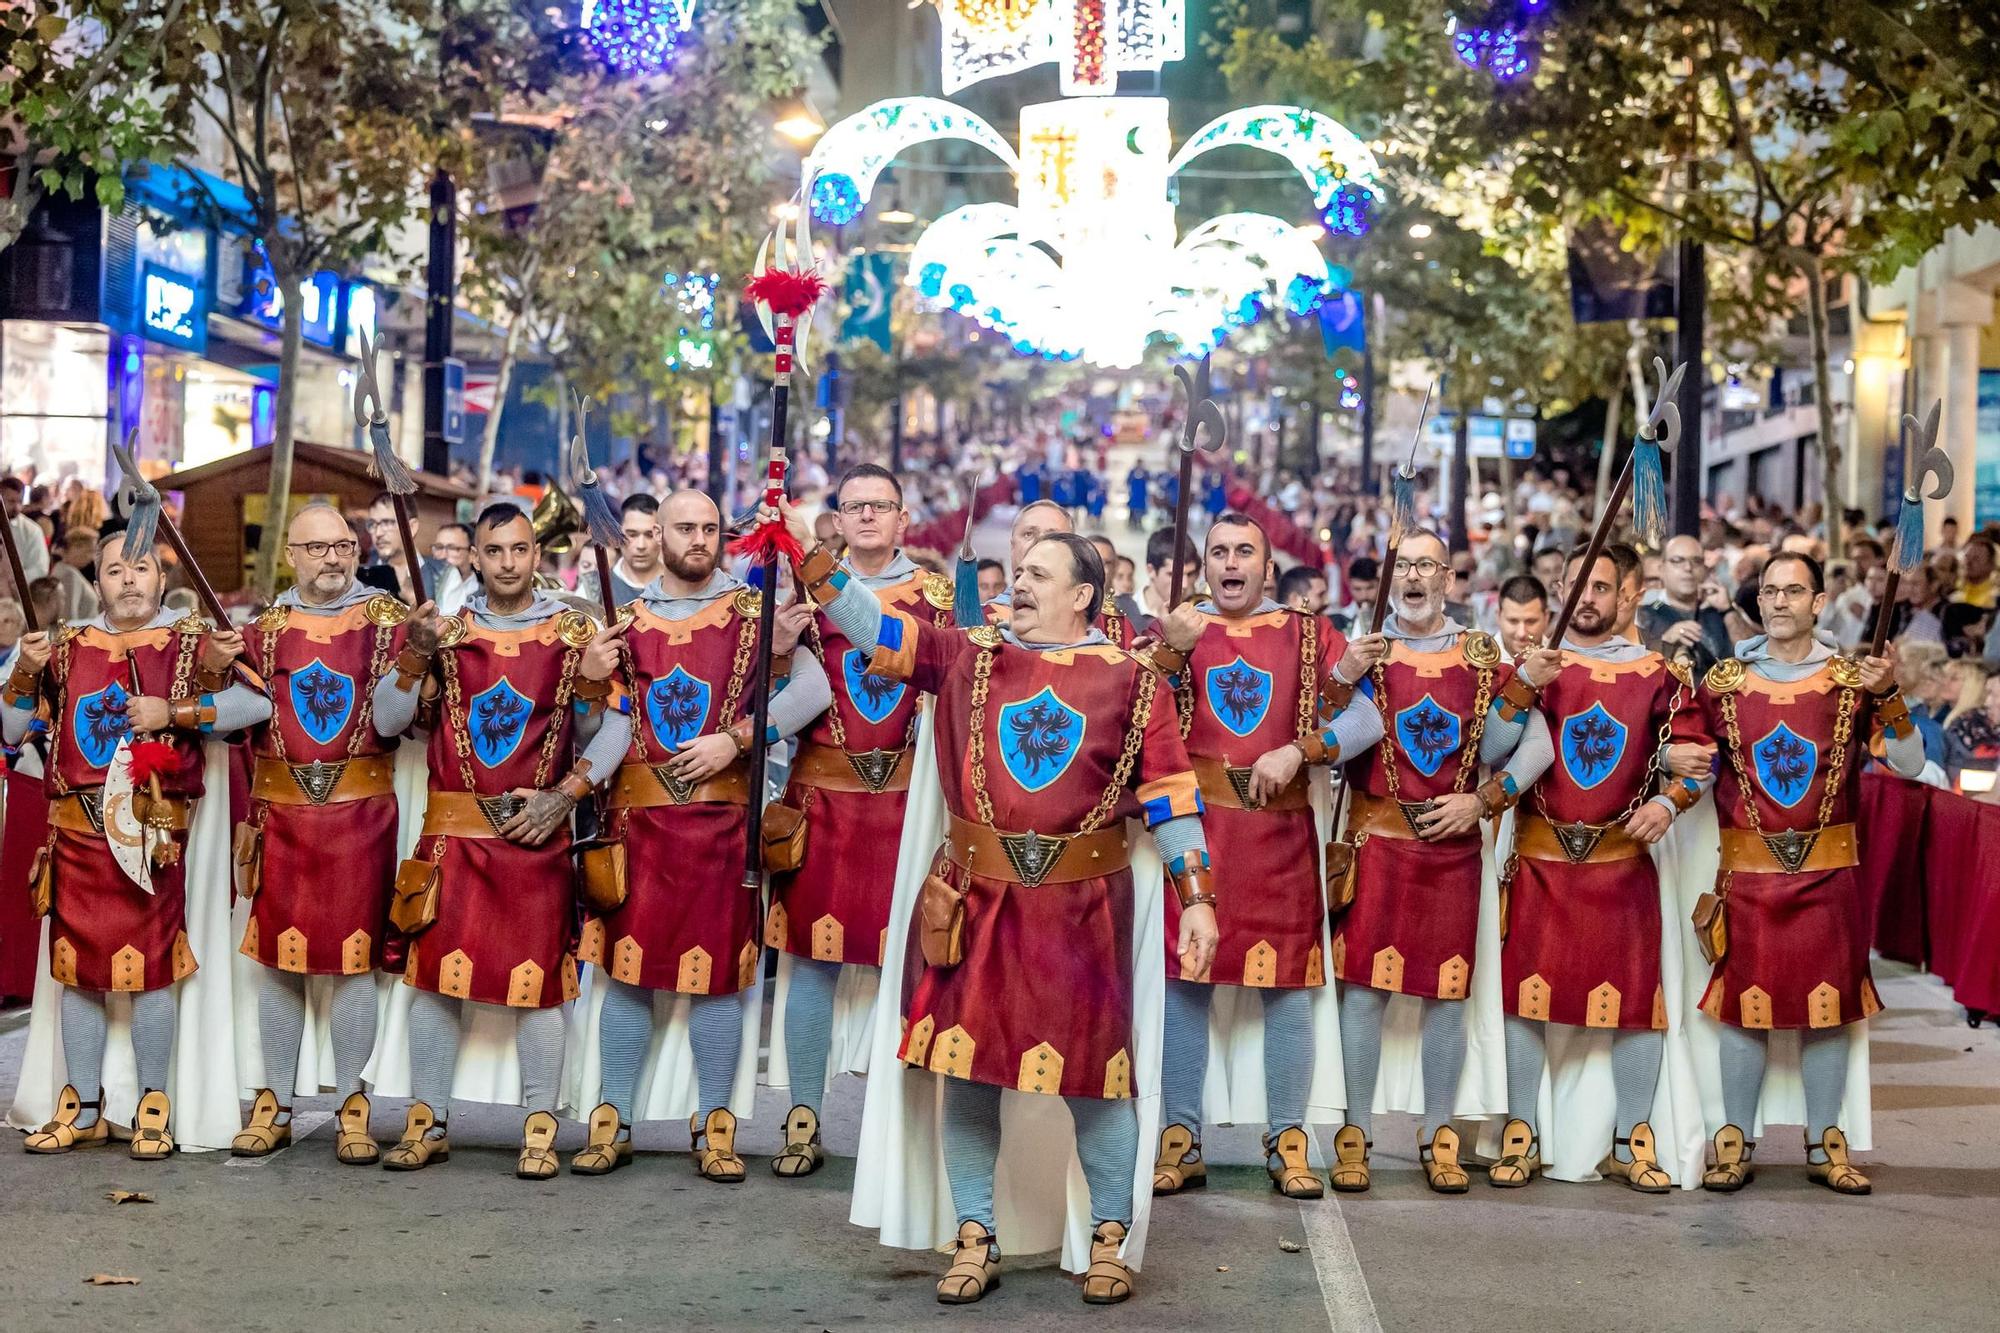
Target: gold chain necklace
1135	734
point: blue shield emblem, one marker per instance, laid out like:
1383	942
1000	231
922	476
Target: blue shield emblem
677	706
874	697
1593	742
1239	695
1039	738
497	719
322	700
1428	733
1785	763
100	724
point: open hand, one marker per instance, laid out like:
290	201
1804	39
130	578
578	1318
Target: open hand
1199	937
1273	772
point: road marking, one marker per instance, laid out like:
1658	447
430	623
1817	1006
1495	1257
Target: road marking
1349	1307
303	1125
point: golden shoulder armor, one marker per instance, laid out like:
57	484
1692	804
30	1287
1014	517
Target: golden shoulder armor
384	611
749	603
274	618
68	630
192	624
1846	672
939	591
1481	650
1726	676
986	636
575	628
1681	671
452	631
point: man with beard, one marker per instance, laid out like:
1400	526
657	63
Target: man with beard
389	571
1252	679
851	779
323	779
1414	823
1032	524
513	686
1042	725
132	672
678	805
1788	711
1583	916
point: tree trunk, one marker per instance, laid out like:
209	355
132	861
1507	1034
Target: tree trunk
278	496
1607	454
1829	447
27	197
503	378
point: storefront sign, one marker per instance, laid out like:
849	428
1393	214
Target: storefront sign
173	309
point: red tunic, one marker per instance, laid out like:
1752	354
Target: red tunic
688	923
835	907
1415	918
321	671
107	933
506	912
1583	940
1798	943
1043	999
1241	696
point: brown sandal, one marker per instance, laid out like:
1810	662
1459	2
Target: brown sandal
61	1134
1836	1172
262	1135
538	1147
1732	1169
1179	1166
975	1266
417	1149
1520	1157
714	1146
1293	1176
1350	1160
353	1144
802	1154
1108	1280
1644	1172
150	1140
607	1148
1440	1158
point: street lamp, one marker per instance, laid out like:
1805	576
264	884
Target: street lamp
797	122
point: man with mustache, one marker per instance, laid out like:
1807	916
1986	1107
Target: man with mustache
1792	717
135	671
323	779
525	721
1037	520
1253	679
678	804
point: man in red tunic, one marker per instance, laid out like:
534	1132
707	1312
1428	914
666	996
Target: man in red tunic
133	671
1414	823
678	804
1792	717
1027	981
1583	915
851	778
322	780
1251	681
516	684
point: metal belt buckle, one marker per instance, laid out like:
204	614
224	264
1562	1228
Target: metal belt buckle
499	809
874	767
92	802
1032	855
1791	848
1239	782
1579	840
679	790
318	779
1415	810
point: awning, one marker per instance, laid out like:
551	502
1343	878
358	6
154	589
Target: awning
190	194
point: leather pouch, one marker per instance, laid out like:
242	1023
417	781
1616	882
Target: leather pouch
941	921
413	907
249	857
1711	922
42	880
601	875
784	833
1341	863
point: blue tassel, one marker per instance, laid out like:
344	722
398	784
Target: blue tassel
604	527
1402	504
966	612
1649	493
1910	534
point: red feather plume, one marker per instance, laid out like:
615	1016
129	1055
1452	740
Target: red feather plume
788	293
149	759
766	539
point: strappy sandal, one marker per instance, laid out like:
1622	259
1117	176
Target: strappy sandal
1179	1166
975	1266
1644	1172
713	1142
1293	1176
263	1135
1350	1160
607	1148
61	1134
150	1140
1108	1280
417	1149
1836	1172
538	1147
802	1154
1520	1157
1440	1158
353	1145
1732	1169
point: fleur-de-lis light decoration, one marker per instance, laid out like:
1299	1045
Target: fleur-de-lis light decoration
1091	41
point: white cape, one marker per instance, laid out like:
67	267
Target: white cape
202	1081
1040	1198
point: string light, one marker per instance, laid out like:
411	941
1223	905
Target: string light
1093	41
636	36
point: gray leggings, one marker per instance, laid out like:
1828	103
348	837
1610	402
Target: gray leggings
434	1032
1361	1010
1107	1142
1822	1068
281	1021
84	1031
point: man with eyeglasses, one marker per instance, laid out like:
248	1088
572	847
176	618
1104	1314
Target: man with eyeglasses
1412	928
388	570
323	780
1795	722
1689	623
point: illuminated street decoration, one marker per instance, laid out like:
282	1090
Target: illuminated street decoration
1091	40
844	165
693	297
636	36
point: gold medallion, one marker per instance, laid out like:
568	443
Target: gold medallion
1481	650
273	619
938	591
575	628
749	603
986	636
384	611
1846	672
192	624
1726	676
1681	671
452	631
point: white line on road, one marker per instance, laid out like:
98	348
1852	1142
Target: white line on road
1349	1307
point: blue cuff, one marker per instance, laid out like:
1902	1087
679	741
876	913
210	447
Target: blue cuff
890	636
207	701
1179	865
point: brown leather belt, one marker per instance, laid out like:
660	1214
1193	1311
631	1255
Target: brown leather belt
1789	853
1035	858
1380	817
82	811
646	786
1574	844
831	768
459	814
327	782
1219	787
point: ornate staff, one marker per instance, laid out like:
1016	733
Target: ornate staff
146	519
1201	411
1930	461
606	535
966	610
1644	476
1402	515
370	411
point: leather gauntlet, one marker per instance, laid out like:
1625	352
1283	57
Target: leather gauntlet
817	572
190	714
1893	710
577	784
1517	698
411	667
1193	882
586	689
22	684
1314	748
1496	797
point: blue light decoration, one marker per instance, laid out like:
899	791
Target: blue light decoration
1500	48
173	308
636	36
836	200
693	296
1348	211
